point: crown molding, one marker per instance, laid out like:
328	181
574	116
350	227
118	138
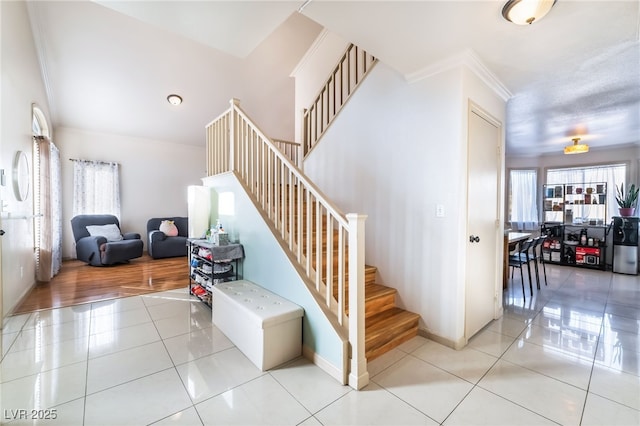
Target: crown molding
310	52
469	59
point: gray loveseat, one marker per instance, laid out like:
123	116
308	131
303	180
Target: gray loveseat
160	245
106	248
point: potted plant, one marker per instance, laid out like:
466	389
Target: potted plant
627	199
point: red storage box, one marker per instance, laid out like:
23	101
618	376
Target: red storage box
588	255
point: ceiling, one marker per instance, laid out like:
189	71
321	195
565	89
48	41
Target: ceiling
109	66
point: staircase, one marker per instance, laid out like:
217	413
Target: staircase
325	245
386	325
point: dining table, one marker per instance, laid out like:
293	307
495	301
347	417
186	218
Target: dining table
511	239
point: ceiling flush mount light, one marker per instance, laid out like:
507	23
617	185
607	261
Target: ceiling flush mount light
576	148
174	99
525	12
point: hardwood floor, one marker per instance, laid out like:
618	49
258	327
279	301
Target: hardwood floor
79	283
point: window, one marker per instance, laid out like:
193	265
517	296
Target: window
523	201
96	188
47	205
611	174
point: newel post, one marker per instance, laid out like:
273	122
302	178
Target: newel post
235	103
358	374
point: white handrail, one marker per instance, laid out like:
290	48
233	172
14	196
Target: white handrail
328	247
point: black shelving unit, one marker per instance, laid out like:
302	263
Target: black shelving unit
576	245
211	264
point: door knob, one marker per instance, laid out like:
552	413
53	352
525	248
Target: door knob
1	232
474	239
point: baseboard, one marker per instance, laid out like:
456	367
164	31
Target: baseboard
323	364
453	344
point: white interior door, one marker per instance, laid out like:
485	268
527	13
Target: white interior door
483	253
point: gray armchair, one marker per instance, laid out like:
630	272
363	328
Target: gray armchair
160	245
99	242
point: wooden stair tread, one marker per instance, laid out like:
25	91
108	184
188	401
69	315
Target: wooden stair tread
389	329
387	319
373	291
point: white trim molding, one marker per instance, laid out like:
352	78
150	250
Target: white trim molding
472	61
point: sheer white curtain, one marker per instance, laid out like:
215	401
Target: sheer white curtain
96	188
611	174
48	209
524	201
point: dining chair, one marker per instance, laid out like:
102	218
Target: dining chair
537	257
520	258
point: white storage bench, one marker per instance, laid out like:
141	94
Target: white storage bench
264	326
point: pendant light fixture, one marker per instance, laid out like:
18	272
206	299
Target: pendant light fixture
576	148
525	12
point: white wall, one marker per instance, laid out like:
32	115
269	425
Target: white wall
21	86
154	176
394	153
312	72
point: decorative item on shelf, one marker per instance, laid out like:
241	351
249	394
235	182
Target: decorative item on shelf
627	200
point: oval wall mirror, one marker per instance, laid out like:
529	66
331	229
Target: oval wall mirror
21	176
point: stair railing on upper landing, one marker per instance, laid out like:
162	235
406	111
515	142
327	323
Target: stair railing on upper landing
351	69
300	215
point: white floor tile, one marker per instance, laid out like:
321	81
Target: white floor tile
7	342
601	411
217	373
548	397
58	316
14	323
121	339
411	379
617	386
481	407
384	361
188	417
564	366
46	335
18	364
491	343
121	304
197	344
143	401
118	356
468	364
45	390
412	344
123	366
261	401
104	323
67	414
186	307
508	326
183	323
308	384
372	405
580	340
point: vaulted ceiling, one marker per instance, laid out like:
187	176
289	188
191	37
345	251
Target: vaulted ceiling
108	66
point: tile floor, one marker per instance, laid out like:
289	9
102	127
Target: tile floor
569	355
